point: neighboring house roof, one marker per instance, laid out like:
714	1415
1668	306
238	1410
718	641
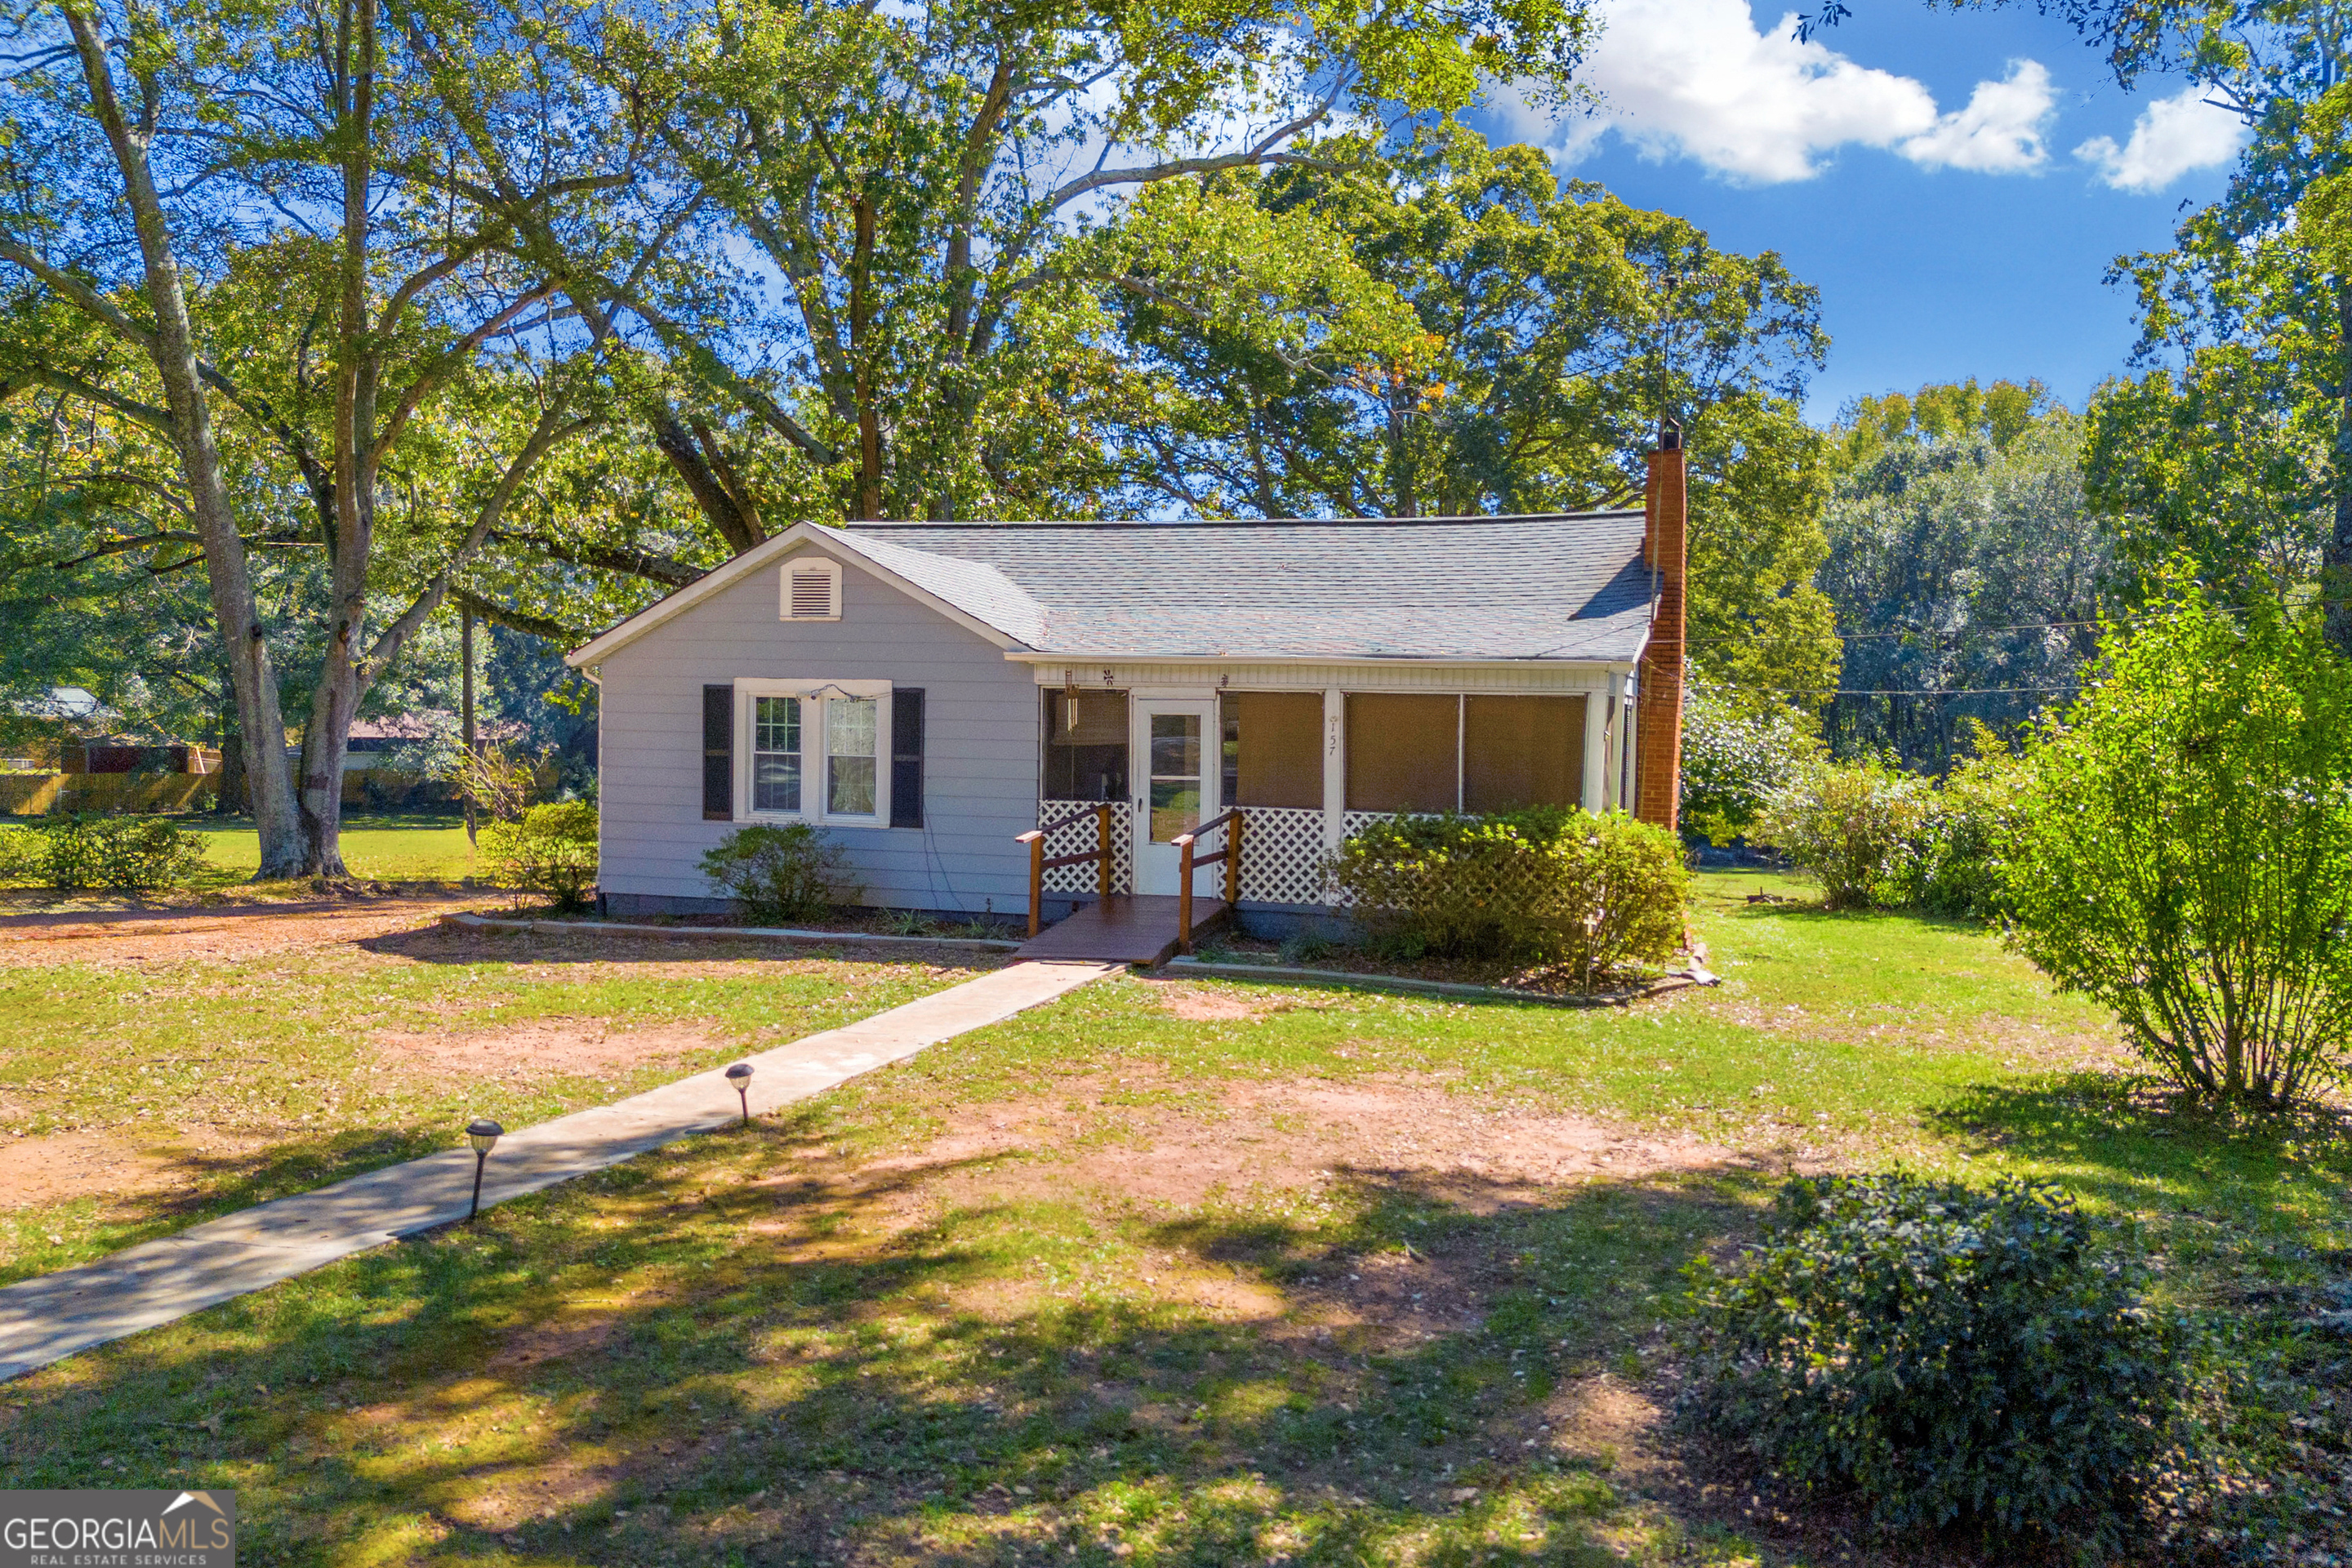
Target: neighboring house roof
1568	585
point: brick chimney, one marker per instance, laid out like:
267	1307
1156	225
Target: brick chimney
1658	711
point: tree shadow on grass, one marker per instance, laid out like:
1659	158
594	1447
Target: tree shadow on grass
181	1187
2132	1143
461	945
741	1352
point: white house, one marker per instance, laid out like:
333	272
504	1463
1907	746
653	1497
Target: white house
930	693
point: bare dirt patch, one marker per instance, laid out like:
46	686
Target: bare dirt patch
238	932
1290	1136
1206	1004
63	1166
549	1048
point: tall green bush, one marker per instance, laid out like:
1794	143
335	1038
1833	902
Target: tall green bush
1962	848
782	873
1853	825
2185	856
552	850
1596	895
1948	1356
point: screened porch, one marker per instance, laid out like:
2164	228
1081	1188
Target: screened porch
1302	769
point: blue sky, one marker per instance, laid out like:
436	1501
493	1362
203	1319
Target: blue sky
1956	184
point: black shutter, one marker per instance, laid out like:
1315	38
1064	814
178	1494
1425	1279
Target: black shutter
907	756
718	754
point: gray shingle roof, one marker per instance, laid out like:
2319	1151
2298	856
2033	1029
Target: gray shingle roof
1566	586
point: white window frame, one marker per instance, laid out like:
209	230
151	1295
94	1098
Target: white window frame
801	566
814	750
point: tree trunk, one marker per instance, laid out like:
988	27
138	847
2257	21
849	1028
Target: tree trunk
172	349
861	311
2336	555
677	443
465	719
326	740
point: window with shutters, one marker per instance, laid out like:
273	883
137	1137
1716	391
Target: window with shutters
812	589
852	736
811	751
776	754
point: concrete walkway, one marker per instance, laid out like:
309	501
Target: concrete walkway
58	1315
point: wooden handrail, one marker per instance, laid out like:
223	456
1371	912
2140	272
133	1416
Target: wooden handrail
1039	864
1203	830
1232	820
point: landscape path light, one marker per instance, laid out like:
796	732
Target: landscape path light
739	1075
484	1134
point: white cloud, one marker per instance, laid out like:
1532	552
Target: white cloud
2000	132
1696	79
2172	136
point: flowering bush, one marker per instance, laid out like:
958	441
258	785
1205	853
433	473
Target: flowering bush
1735	759
1853	825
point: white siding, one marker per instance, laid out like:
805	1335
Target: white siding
981	744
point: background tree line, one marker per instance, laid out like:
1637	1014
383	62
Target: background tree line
318	321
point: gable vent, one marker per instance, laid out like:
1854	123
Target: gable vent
812	591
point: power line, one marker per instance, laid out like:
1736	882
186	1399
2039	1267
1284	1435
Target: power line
1981	631
1837	691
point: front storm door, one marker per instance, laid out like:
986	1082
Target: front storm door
1176	789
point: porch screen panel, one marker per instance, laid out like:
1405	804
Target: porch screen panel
1402	752
1274	748
1085	754
1522	751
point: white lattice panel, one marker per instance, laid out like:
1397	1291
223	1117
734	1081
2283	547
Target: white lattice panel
1077	837
1282	855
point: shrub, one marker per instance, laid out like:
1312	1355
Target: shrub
23	852
1734	759
2185	856
1951	1356
1960	848
128	854
552	850
781	874
1853	825
1594	894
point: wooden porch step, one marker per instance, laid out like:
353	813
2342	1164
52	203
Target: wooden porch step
1123	928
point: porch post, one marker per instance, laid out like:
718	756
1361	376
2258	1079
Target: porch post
1596	750
1335	767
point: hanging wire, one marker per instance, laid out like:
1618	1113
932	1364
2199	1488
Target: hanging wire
1859	692
2020	626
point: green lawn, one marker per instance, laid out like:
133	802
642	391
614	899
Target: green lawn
398	848
1095	1286
227	1082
